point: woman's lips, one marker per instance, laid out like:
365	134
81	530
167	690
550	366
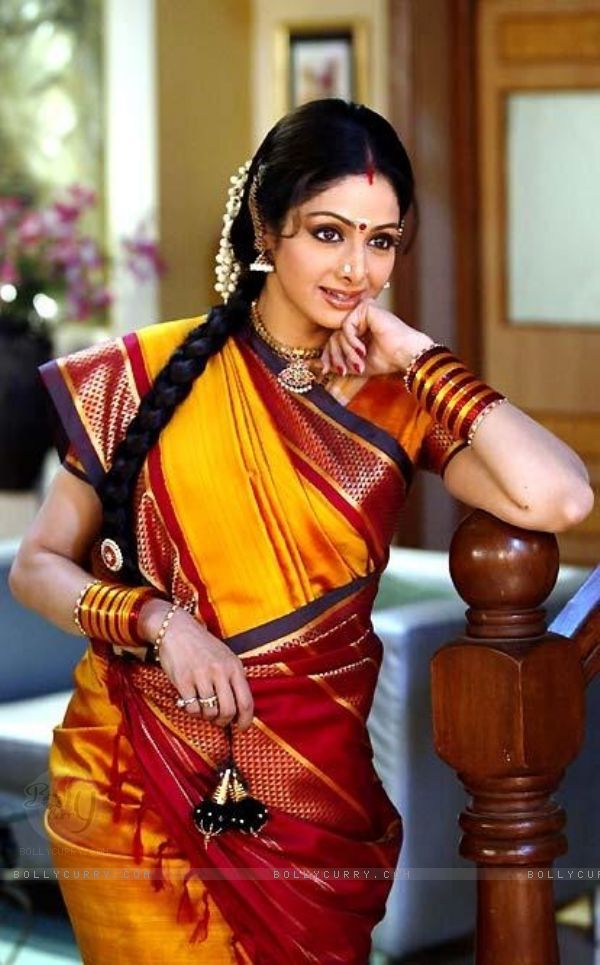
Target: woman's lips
345	301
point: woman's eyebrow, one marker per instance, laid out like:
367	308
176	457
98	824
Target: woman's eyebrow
351	223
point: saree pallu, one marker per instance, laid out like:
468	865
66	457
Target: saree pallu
272	514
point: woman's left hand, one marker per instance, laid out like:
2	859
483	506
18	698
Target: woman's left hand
372	341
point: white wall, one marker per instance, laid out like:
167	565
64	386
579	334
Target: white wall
131	145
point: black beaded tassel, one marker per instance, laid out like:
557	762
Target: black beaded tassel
248	814
213	815
230	806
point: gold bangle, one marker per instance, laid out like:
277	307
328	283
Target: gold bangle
464	409
413	364
78	602
453	396
109	612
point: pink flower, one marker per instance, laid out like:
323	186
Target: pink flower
31	229
143	258
102	298
10	208
82	197
9	274
48	245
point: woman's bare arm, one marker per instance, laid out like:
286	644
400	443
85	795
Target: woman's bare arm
48	572
515	468
521	473
48	575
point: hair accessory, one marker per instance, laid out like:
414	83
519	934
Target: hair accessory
445	388
296	376
230	806
228	268
262	263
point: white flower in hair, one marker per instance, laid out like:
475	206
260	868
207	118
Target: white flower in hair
228	268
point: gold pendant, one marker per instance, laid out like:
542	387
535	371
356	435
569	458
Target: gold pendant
297	377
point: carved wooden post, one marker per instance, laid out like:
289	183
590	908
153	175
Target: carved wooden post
508	713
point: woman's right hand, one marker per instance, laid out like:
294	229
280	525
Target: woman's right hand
195	661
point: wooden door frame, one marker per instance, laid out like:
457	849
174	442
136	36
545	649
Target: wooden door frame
465	167
463	162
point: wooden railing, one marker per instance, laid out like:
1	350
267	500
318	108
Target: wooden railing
508	717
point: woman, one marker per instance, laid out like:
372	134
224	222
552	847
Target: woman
233	483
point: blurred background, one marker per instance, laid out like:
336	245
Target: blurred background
121	122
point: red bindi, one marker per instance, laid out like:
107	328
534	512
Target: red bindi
362	226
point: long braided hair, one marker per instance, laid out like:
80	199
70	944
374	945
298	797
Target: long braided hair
308	150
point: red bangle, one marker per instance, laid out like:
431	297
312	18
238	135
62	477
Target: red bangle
455	398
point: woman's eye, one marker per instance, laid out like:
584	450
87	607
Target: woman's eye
327	234
384	242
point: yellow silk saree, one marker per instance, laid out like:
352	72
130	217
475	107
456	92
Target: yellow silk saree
271	514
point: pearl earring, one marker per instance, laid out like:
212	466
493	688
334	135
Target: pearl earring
387	284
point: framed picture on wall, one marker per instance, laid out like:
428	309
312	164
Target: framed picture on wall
321	60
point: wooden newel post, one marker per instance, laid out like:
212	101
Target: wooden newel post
508	716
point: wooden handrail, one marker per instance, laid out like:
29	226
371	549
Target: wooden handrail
508	717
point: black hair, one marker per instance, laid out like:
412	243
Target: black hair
307	151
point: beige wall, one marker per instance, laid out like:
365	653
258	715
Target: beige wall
204	134
216	98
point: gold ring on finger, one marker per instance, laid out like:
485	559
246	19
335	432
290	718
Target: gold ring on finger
184	701
211	701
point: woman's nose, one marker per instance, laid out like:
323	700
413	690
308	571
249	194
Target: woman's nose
355	263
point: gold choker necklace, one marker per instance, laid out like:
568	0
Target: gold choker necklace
296	376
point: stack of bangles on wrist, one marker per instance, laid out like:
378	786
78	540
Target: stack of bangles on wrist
445	388
110	612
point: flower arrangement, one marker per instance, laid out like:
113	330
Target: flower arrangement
50	267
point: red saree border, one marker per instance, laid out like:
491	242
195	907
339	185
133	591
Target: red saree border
298	919
366	513
352	515
344	416
158	484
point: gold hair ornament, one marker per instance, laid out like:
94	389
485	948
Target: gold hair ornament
261	263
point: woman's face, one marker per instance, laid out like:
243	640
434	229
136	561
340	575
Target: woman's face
335	250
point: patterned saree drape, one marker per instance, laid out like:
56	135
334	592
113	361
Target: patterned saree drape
273	513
